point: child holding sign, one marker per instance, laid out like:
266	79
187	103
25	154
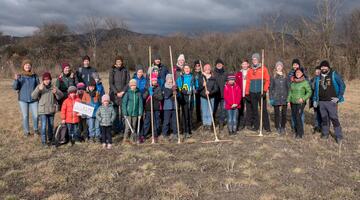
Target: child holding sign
68	116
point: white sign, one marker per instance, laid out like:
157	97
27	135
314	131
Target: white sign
83	109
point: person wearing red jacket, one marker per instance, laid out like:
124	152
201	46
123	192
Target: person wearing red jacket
68	116
253	91
232	98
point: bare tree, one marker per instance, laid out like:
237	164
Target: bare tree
114	23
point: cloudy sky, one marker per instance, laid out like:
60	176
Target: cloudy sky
22	17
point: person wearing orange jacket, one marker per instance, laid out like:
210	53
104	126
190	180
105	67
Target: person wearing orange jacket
253	92
68	116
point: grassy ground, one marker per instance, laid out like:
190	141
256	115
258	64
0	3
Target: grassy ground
247	168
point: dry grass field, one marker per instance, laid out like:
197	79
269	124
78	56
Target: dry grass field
247	168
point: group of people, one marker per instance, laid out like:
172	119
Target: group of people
157	99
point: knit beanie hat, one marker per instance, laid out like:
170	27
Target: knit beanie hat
153	77
46	76
81	86
132	82
72	89
26	61
297	61
86	57
256	56
105	97
325	63
219	61
231	77
279	63
181	57
168	76
196	62
64	64
318	67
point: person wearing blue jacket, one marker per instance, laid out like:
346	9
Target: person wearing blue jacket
141	80
328	93
25	83
185	84
99	86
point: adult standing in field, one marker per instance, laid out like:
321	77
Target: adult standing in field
65	80
197	76
178	68
119	78
329	91
317	115
220	75
245	108
253	91
25	83
85	72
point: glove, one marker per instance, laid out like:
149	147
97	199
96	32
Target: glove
272	102
334	99
315	104
151	92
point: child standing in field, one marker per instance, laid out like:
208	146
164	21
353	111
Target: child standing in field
106	116
48	96
299	92
132	107
99	86
232	98
169	107
279	89
69	117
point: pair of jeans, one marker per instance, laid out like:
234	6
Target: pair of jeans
169	121
205	111
317	117
244	118
219	110
297	110
280	116
73	130
25	108
255	99
47	121
106	136
329	112
293	121
232	117
93	127
147	123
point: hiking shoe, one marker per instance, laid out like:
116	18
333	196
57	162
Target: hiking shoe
109	146
103	145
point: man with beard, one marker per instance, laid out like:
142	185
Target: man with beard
329	91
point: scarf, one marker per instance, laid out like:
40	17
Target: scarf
323	80
25	73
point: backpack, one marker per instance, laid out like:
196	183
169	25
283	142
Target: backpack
61	135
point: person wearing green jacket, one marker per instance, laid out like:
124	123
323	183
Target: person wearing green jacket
132	107
300	92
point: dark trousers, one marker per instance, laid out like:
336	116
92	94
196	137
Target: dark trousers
317	117
186	118
328	110
147	123
169	121
245	114
280	116
219	110
133	123
255	99
198	107
297	111
83	128
106	136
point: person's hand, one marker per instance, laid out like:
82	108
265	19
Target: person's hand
289	104
41	86
334	99
301	100
315	104
72	75
234	105
63	121
54	90
207	92
16	76
120	94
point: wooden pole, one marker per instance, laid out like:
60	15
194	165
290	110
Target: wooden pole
176	103
211	111
262	91
151	102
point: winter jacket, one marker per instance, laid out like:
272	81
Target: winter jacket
25	85
169	100
132	103
64	82
47	100
85	74
197	77
220	75
67	112
157	99
299	90
119	78
92	100
291	74
253	80
106	115
186	86
232	95
338	84
279	90
140	83
211	85
100	88
241	80
177	71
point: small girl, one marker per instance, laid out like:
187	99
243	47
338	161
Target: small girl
169	107
232	98
106	116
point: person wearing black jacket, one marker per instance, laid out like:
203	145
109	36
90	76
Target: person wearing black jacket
119	78
211	89
85	72
220	75
197	76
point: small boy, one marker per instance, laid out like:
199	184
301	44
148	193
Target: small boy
106	116
99	86
140	79
132	107
69	117
232	98
169	107
92	98
48	96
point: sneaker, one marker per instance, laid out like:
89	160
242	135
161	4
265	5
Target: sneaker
109	146
104	145
141	139
338	140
